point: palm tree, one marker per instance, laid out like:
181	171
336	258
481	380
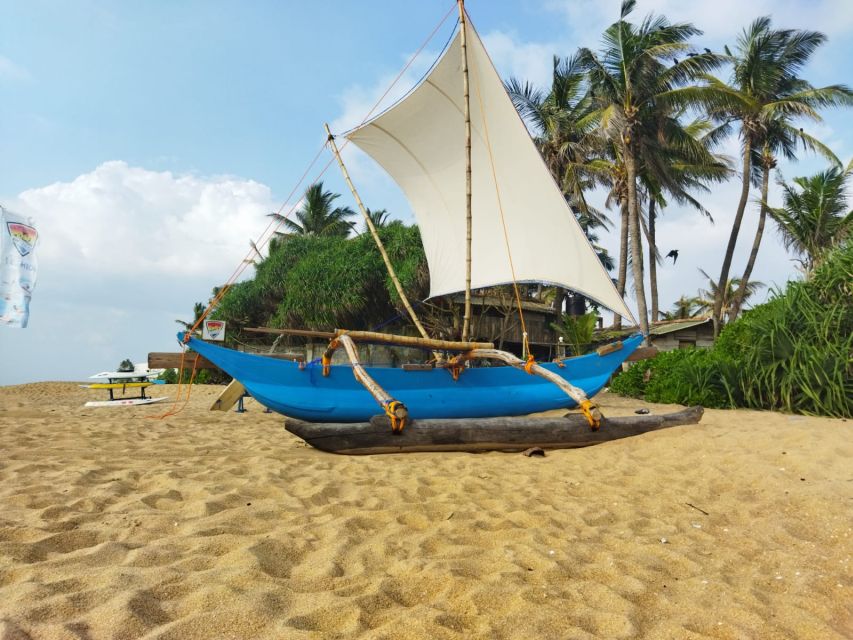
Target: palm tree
630	78
198	312
683	308
317	216
765	92
676	161
379	218
815	218
707	297
780	138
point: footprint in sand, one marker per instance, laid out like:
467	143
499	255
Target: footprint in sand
164	500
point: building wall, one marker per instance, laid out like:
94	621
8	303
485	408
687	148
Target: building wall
701	337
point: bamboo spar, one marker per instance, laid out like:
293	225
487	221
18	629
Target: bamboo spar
375	235
466	323
379	338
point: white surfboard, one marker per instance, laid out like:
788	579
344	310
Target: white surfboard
125	402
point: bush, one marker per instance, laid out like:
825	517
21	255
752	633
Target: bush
791	354
202	376
685	376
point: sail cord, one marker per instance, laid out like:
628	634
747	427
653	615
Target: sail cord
273	227
525	344
278	220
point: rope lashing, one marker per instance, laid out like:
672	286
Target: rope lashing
397	414
592	414
326	358
456	365
531	362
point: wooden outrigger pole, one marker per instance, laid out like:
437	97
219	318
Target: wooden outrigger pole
466	322
376	237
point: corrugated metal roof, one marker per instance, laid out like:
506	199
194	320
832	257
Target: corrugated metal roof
676	325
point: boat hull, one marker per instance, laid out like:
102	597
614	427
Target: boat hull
480	392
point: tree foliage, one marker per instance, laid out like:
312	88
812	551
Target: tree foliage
326	282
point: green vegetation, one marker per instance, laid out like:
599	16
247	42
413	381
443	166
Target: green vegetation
577	331
318	216
326	281
815	217
203	376
791	354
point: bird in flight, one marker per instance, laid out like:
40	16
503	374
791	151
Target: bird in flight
674	255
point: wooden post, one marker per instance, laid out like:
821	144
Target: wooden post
376	237
466	322
379	394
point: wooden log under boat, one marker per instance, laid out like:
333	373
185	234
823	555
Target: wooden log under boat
481	434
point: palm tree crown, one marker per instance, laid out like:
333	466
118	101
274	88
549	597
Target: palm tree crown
317	216
815	217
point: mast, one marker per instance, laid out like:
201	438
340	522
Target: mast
466	323
376	237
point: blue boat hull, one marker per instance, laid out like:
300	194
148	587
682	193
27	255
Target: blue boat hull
480	392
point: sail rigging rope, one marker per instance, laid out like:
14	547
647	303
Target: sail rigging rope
278	220
525	343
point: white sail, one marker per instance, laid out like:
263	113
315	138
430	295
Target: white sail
420	142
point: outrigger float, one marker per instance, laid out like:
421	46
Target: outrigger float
453	135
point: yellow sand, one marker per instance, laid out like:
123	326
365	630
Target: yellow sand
222	525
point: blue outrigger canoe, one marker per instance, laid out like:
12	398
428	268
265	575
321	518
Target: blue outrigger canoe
303	392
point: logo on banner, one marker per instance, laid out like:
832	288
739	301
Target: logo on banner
213	330
23	237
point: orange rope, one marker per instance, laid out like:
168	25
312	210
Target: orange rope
525	343
172	410
178	395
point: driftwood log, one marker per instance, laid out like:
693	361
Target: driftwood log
481	434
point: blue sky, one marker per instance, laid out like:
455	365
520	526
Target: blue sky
149	139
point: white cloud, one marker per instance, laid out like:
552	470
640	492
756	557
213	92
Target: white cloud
179	225
527	61
12	71
123	252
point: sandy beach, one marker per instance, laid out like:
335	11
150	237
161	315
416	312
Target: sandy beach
223	525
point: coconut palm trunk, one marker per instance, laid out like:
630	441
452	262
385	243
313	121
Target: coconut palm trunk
636	240
623	257
717	314
653	263
759	232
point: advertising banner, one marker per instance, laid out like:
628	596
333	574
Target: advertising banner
18	267
213	330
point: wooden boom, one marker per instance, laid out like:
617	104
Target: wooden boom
380	338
